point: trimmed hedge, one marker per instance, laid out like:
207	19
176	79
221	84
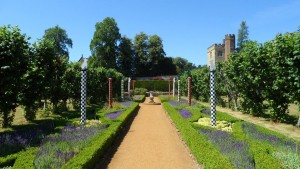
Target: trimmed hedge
262	152
140	99
204	151
89	156
25	159
154	85
8	160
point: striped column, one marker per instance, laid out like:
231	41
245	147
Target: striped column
212	98
83	96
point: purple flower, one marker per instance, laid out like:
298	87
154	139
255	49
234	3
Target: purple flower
114	114
174	103
252	131
206	111
127	103
185	113
236	151
137	97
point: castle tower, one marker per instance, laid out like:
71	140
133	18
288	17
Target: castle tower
229	45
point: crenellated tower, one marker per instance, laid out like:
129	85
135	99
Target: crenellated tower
229	45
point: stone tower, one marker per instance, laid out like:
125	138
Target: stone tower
229	45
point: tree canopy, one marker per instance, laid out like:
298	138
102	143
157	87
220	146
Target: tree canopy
243	33
104	45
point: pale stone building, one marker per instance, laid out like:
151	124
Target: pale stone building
220	52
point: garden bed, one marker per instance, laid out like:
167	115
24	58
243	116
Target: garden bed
72	146
246	146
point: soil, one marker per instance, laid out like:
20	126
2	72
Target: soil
152	141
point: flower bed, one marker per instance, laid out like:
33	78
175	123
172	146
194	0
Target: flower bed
114	115
236	151
185	114
57	149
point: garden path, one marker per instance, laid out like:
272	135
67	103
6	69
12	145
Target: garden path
152	142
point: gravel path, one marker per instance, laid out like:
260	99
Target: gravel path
152	142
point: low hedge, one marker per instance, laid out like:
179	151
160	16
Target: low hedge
140	99
262	152
89	156
8	160
25	159
204	151
154	85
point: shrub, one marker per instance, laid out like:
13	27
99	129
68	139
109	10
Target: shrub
204	152
140	91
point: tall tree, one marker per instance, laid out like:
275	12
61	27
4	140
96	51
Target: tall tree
242	35
141	59
182	65
61	40
104	45
14	57
156	55
125	58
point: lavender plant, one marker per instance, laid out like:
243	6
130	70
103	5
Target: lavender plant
114	115
185	113
236	151
287	151
57	149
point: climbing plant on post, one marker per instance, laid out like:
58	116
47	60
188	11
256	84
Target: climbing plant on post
212	93
169	81
122	88
189	88
129	87
178	88
83	91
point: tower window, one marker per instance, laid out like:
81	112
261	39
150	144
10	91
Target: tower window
220	53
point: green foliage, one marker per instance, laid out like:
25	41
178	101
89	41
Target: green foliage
14	58
153	85
61	40
242	35
104	44
89	156
97	85
25	159
204	152
182	65
139	98
140	91
141	47
126	55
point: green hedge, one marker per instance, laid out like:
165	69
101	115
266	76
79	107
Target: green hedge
154	85
139	100
204	152
8	160
90	155
25	159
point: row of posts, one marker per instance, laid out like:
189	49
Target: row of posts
212	91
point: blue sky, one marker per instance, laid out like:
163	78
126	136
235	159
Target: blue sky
187	27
